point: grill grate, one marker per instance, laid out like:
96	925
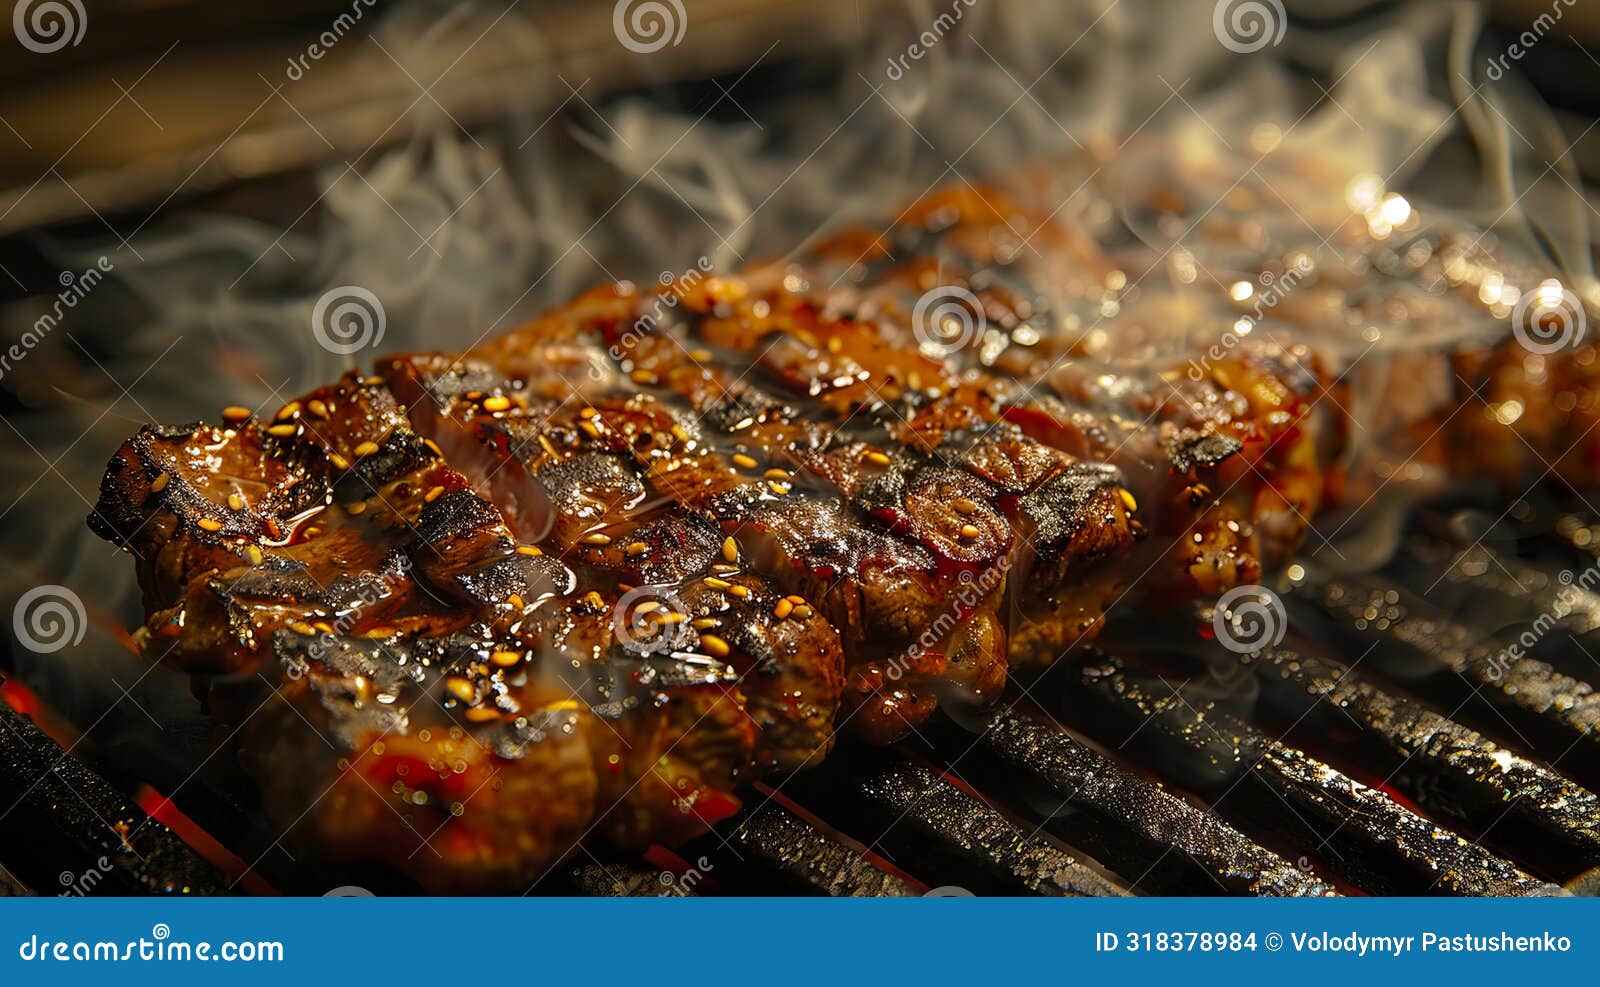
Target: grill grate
1297	774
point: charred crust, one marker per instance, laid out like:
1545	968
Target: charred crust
1189	448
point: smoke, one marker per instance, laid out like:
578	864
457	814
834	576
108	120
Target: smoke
1176	163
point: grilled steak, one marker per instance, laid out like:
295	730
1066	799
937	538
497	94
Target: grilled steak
583	580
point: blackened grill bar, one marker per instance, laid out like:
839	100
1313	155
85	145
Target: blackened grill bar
1521	698
1524	809
1366	837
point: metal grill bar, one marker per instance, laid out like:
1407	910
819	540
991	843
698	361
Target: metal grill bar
1158	821
1368	838
1519	806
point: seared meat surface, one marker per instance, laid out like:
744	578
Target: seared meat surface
585	579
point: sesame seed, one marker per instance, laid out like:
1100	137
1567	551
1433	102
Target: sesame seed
253	553
680	433
365	449
796	600
648	606
283	431
481	714
1128	501
723	568
505	659
716	583
730	549
210	524
714	646
235	413
460	688
965	506
159	483
590	429
877	457
301	627
705	623
776	474
803	611
338	461
744	462
515	601
236	502
433	494
643	377
497	403
317	408
288	411
740	591
588	412
674	617
783	609
597	538
533	550
637	548
777	487
357	507
835	344
969	531
313	531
